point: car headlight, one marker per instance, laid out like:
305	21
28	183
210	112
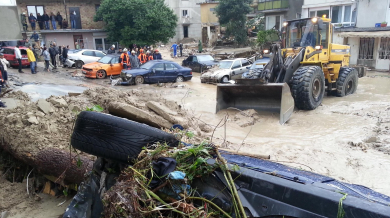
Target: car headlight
208	67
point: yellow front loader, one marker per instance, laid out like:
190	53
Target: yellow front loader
305	66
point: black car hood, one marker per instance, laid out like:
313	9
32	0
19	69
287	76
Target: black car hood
136	72
209	63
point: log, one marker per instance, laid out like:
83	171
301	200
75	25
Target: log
259	156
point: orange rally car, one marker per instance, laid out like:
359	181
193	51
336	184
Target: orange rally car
106	66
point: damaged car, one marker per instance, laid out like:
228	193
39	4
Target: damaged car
226	70
256	68
157	71
199	63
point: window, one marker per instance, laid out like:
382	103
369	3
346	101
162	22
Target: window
170	66
184	13
115	60
274	21
185	31
245	63
99	54
35	10
159	66
344	15
8	51
189	58
88	53
298	16
212	9
319	13
195	59
384	48
236	64
366	48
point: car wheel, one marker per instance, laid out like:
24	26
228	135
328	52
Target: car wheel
225	79
79	64
139	80
179	79
101	74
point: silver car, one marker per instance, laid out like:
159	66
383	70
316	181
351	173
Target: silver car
226	70
84	56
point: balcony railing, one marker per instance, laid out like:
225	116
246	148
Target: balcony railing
272	5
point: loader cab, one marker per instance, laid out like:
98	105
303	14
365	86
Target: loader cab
307	32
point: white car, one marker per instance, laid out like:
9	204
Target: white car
226	70
84	56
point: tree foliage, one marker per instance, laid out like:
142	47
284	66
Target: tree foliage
232	14
137	21
266	37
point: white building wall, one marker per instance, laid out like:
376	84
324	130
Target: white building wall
371	12
194	20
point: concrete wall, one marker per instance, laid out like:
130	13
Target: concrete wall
208	16
295	7
194	21
371	12
67	39
87	10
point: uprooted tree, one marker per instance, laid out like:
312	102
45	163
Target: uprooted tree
137	21
232	14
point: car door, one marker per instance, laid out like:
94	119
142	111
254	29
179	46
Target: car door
171	72
88	57
115	67
157	75
195	64
98	55
189	62
236	70
245	67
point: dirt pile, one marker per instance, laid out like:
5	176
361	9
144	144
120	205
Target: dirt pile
38	132
246	118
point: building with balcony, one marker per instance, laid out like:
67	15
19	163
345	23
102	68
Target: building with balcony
357	23
278	11
210	22
87	33
189	24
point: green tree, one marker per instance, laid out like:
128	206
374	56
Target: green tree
232	14
137	21
266	37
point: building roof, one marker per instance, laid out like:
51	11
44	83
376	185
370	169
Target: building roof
362	29
72	31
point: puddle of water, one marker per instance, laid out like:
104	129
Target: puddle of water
46	90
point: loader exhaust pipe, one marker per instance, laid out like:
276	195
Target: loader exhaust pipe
249	94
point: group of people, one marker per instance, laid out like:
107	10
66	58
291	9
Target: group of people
135	57
45	20
55	54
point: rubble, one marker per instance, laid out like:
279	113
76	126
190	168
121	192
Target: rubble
246	118
36	127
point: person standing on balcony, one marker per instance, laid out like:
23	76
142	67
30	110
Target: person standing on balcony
73	19
53	19
46	19
32	19
64	24
40	21
24	21
59	19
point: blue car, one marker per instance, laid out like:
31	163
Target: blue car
157	71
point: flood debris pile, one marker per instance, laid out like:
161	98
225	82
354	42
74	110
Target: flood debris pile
38	132
169	182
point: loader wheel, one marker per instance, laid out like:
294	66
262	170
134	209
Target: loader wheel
115	138
308	87
347	82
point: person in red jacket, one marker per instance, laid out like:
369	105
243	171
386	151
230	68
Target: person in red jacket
124	59
142	57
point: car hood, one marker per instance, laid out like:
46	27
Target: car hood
136	72
217	72
94	65
209	63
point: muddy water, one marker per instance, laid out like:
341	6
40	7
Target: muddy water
37	91
323	139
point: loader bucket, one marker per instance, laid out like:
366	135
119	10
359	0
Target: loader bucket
273	97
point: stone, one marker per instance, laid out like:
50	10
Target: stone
33	120
133	113
166	113
74	108
58	102
45	106
73	94
39	114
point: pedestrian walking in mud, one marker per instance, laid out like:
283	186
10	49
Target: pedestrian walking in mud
46	57
181	49
134	61
5	68
18	57
31	59
174	47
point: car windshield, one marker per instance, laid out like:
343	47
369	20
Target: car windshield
205	58
147	65
304	33
225	64
105	60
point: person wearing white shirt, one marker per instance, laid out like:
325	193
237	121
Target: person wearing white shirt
18	57
5	74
